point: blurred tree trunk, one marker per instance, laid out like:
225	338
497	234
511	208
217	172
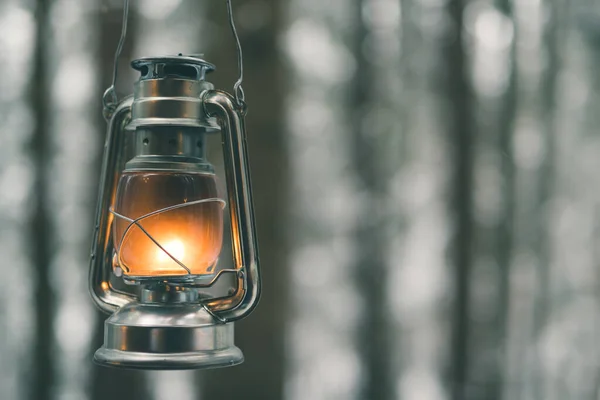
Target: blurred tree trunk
41	245
460	137
505	230
370	267
546	170
111	383
261	336
546	178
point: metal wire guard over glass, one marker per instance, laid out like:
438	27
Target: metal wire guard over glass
167	223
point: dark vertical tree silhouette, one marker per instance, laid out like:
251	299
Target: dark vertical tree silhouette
110	383
546	178
589	25
44	372
461	141
370	267
260	336
505	229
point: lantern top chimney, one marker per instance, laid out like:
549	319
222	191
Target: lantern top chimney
169	91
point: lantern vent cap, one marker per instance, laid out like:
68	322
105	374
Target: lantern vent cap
192	67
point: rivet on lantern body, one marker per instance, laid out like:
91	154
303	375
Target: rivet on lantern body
160	223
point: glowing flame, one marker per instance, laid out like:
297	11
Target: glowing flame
174	247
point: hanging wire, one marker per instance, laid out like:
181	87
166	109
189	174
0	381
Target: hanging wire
237	88
110	99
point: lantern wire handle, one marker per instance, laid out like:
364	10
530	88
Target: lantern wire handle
110	99
237	87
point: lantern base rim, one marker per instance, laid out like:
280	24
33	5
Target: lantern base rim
169	361
167	336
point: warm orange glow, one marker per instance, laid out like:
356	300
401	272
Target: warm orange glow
174	248
192	235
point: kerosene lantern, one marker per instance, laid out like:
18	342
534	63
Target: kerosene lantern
159	224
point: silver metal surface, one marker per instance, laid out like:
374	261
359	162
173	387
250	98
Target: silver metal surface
167	141
192	67
162	293
205	359
168	93
241	207
168	163
167	336
104	296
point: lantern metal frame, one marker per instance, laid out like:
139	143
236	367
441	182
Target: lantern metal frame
216	104
172	323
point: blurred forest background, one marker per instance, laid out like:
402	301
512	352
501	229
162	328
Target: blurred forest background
425	183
